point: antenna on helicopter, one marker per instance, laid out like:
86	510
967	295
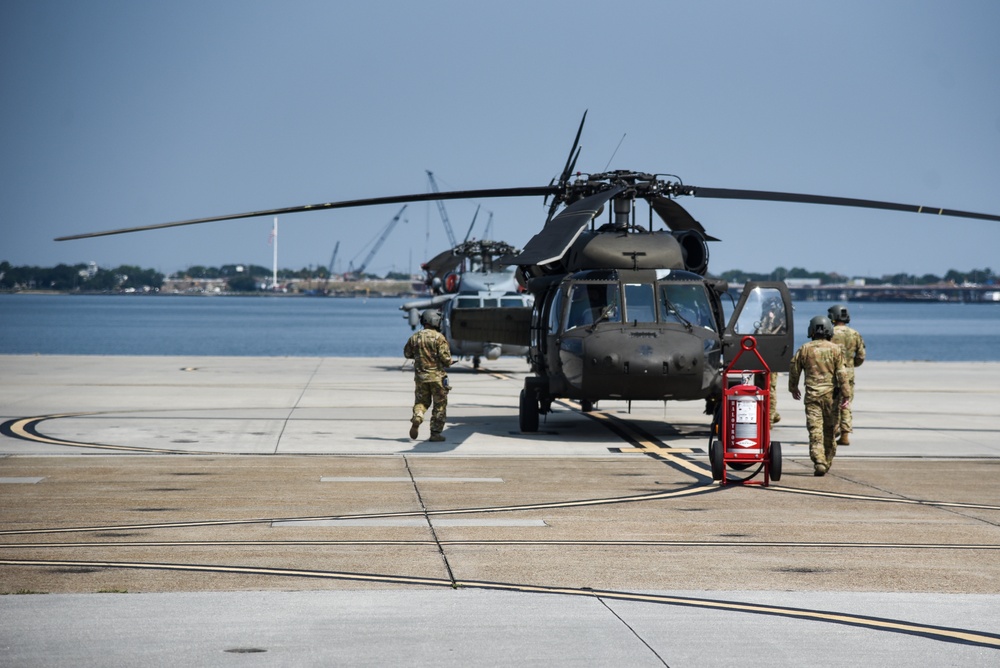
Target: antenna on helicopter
615	152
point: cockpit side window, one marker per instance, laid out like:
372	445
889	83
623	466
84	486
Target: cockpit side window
555	311
640	305
763	313
592	302
685	303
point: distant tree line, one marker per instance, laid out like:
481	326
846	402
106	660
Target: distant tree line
306	273
80	278
248	278
979	276
129	278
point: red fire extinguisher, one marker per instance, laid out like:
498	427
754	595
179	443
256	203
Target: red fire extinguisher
744	436
745	404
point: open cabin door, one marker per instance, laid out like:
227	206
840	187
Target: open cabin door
763	311
504	325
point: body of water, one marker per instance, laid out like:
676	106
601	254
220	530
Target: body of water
332	327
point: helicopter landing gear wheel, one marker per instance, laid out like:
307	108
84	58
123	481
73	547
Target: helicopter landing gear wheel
586	405
528	411
475	361
774	461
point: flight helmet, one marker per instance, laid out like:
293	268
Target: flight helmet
838	312
431	318
820	327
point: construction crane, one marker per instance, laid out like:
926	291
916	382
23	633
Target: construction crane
444	214
355	274
329	269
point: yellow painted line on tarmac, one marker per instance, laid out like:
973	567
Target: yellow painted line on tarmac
20	427
645	445
898	626
25	429
942	634
884	499
660	450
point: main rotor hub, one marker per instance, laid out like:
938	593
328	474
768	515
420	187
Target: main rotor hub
623	207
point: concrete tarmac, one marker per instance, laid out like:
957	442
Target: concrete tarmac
273	511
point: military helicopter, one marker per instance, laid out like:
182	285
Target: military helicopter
470	276
621	311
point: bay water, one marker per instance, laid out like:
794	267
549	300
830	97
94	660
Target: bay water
176	325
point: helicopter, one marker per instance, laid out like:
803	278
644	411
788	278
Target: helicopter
621	311
470	276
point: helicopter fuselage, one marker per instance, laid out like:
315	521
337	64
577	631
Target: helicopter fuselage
476	290
626	314
627	334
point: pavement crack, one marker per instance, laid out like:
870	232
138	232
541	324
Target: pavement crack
295	406
632	630
427	517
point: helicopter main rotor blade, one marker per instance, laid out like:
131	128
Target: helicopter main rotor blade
676	217
574	154
765	195
560	232
396	199
443	262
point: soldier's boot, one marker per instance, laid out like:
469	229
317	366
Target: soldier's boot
437	438
414	429
844	438
820	470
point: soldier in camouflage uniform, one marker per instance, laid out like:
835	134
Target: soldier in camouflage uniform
431	357
853	345
827	390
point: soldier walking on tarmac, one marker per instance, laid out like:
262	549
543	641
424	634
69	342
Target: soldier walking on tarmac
431	357
827	390
853	345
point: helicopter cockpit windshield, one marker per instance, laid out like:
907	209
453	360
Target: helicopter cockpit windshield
590	303
685	303
640	304
674	299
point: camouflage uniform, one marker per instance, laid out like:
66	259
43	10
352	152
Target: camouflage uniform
826	385
775	416
853	345
431	357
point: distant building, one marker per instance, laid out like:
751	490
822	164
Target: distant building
802	282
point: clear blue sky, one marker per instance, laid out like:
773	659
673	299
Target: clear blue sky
120	113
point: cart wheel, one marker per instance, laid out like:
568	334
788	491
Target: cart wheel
774	465
713	434
715	455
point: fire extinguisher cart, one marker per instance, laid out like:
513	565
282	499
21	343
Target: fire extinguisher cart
741	433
